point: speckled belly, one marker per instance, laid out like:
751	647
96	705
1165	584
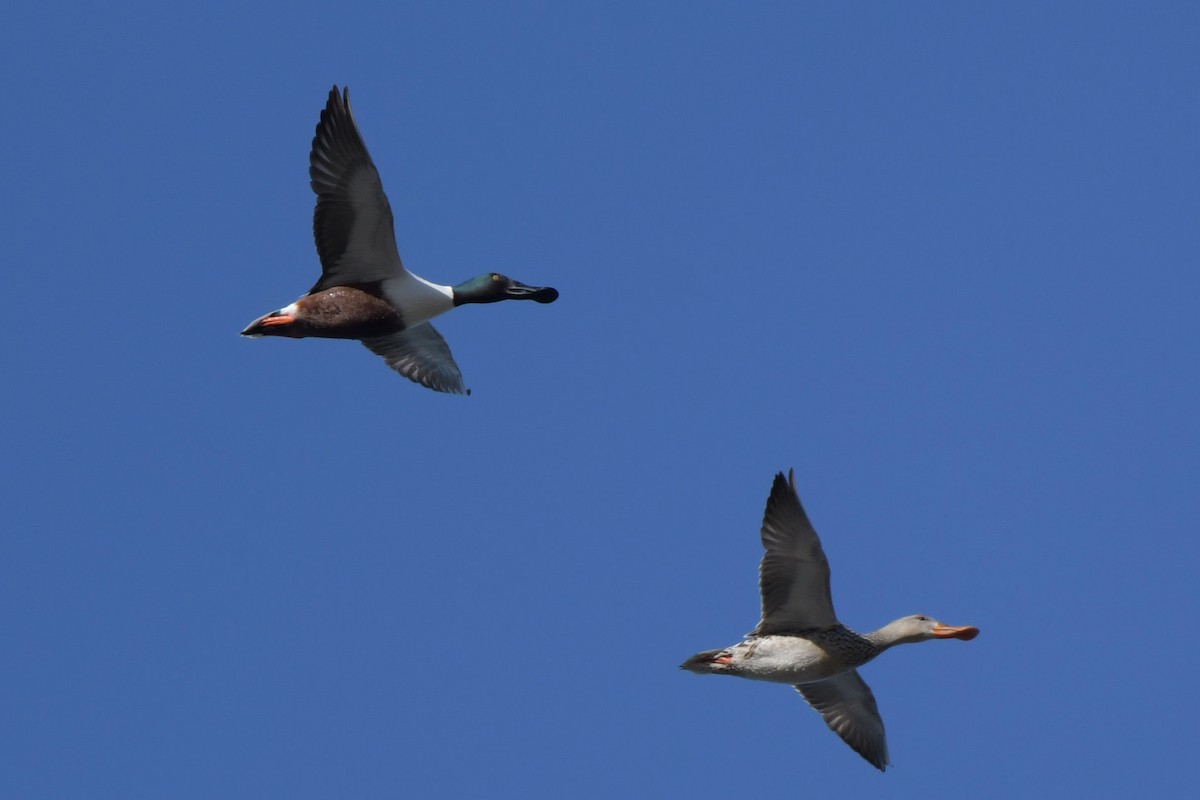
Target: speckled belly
788	659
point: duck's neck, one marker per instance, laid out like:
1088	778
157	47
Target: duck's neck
880	640
892	634
853	648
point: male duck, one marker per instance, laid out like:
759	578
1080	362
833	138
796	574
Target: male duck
799	639
365	292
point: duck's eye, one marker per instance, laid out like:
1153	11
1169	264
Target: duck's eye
495	277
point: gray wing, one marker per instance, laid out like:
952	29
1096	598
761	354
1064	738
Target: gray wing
794	573
352	223
846	703
420	354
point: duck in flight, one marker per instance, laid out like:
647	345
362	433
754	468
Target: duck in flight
365	292
799	639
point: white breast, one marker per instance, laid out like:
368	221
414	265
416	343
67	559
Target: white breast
417	299
786	659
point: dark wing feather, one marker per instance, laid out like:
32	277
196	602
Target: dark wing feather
420	354
352	223
849	709
794	573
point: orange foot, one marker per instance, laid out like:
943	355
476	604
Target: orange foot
282	319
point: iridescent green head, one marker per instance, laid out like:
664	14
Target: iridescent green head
494	287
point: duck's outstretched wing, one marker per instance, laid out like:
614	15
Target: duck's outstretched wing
352	223
420	354
849	709
794	574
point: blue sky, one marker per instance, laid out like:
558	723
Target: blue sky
940	258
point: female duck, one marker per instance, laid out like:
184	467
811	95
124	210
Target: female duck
799	639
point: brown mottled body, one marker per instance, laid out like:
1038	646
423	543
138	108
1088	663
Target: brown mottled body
343	312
